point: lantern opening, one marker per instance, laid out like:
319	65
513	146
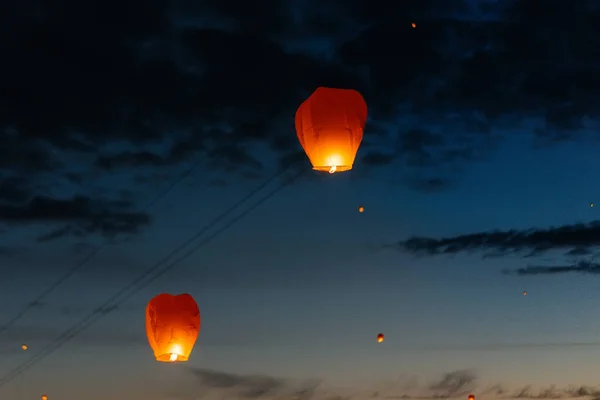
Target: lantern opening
171	357
333	163
173	354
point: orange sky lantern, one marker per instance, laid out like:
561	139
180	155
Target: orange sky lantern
330	125
24	347
361	209
172	326
380	338
44	397
471	397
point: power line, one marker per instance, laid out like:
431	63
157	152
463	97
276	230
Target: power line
153	273
32	304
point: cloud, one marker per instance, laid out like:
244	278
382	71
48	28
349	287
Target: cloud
552	392
581	267
8	251
220	81
79	215
245	386
574	239
13	189
454	383
450	385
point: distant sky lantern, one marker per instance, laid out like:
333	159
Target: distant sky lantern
380	338
413	25
525	293
24	347
330	125
172	326
361	209
44	397
592	204
471	397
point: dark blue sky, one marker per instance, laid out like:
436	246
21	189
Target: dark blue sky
477	170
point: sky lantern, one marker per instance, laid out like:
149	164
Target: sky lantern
413	25
380	338
525	293
361	209
471	397
44	397
172	326
24	347
592	204
330	125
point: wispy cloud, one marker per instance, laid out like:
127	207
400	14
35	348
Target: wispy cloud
581	267
574	239
450	385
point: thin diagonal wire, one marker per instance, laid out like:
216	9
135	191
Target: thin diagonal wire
70	272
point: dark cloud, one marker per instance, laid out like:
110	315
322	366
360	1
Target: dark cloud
7	251
377	158
130	159
454	383
78	215
427	185
245	386
553	392
581	267
577	237
175	80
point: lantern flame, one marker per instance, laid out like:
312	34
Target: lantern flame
334	160
175	352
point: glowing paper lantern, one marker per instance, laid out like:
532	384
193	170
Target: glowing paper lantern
44	397
361	209
471	397
172	326
380	338
24	347
330	125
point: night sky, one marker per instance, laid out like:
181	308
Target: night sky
127	127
